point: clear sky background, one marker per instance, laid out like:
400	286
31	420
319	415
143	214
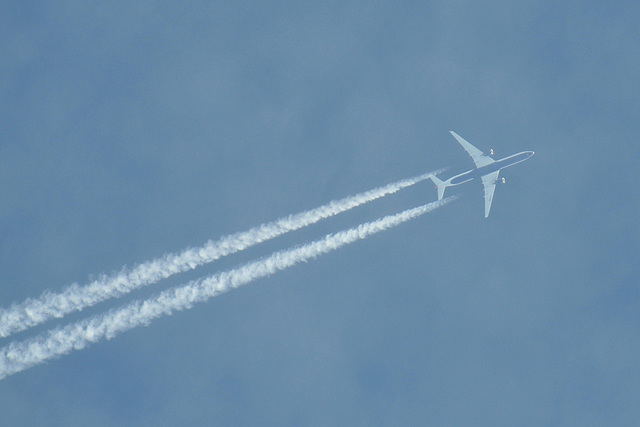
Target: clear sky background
133	129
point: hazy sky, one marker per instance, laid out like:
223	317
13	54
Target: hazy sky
130	130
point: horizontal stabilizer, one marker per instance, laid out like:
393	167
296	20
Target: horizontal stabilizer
440	185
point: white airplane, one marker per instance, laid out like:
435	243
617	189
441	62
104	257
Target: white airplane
486	168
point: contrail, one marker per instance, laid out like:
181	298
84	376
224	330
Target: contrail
33	311
19	356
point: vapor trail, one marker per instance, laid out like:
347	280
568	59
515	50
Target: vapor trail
33	311
19	356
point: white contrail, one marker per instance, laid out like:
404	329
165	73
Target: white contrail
19	356
33	311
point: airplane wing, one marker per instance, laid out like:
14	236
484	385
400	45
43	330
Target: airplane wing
489	182
479	158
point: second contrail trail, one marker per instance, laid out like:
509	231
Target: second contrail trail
33	311
19	356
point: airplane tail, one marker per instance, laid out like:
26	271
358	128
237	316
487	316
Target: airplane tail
440	185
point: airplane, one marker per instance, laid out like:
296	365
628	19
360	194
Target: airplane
486	168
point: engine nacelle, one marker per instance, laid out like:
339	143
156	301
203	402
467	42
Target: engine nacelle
504	180
491	151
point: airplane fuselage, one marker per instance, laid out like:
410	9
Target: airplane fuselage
493	167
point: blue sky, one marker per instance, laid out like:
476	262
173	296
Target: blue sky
130	131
